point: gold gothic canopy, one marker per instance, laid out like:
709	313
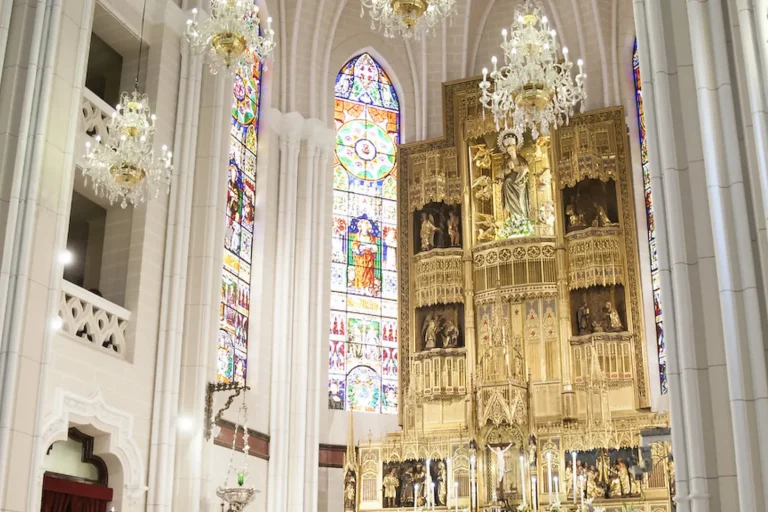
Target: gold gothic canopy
523	369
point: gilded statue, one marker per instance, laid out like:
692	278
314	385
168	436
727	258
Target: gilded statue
623	473
391	483
500	460
602	219
482	157
514	185
450	334
453	229
442	484
593	490
575	219
486	229
568	479
428	230
532	450
603	467
350	491
582	317
419	478
613	321
483	188
429	331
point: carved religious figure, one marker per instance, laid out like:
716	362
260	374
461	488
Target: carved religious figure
429	331
532	450
350	491
420	479
453	229
592	489
391	483
582	317
427	232
500	460
623	472
612	319
442	484
569	479
450	334
406	490
603	465
514	185
575	219
602	219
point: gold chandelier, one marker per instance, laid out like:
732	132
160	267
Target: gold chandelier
407	18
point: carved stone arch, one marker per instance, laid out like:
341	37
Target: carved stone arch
112	430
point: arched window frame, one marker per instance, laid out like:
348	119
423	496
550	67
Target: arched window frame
363	365
654	261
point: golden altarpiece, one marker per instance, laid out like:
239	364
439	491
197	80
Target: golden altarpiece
521	339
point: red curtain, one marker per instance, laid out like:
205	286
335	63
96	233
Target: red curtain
61	495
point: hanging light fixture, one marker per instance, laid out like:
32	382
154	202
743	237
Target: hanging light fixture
124	166
231	35
533	90
407	18
238	496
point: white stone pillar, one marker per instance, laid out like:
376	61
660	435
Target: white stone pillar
300	309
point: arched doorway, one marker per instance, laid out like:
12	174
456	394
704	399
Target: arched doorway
75	479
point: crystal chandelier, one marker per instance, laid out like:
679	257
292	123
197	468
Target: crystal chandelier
407	18
534	89
124	166
231	35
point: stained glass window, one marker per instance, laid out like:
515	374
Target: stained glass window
234	310
660	346
363	364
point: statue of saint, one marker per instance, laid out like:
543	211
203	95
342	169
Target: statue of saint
350	491
569	479
603	467
420	479
429	332
532	450
623	472
406	489
442	484
592	489
427	231
514	186
575	220
612	318
500	460
453	229
582	317
391	483
602	219
450	334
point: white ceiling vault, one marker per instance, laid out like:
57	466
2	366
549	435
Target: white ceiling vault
316	37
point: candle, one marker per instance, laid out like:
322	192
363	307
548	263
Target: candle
433	496
549	476
581	479
534	494
495	69
522	477
456	496
415	496
557	491
573	455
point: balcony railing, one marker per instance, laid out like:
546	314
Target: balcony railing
94	319
95	113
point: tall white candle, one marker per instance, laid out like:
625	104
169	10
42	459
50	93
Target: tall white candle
557	491
534	494
549	476
522	477
581	478
415	496
433	496
456	496
573	454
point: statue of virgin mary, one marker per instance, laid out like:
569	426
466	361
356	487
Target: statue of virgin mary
514	185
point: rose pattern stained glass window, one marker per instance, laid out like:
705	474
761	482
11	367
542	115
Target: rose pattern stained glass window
655	280
363	365
234	311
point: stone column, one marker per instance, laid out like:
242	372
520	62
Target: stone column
40	90
300	308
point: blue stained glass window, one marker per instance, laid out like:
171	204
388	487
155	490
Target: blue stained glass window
363	362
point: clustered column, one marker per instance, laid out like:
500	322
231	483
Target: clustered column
711	243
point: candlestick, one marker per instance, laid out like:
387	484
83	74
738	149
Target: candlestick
573	454
549	476
522	477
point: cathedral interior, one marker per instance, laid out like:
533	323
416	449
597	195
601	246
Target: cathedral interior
374	255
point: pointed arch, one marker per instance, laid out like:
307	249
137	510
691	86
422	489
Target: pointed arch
655	278
363	365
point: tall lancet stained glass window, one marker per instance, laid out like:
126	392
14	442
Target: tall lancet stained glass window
234	310
363	365
661	347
